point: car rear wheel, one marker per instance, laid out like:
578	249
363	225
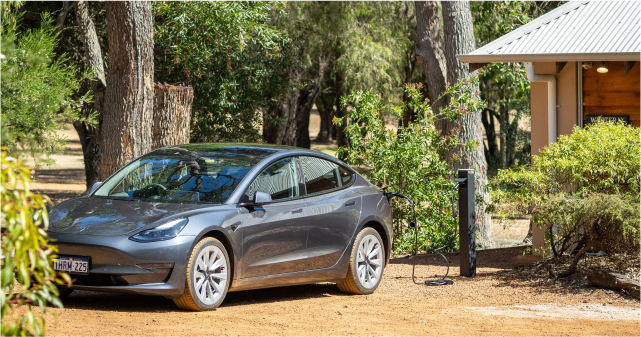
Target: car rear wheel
208	277
366	264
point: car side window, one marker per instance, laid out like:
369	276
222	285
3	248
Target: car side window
345	175
279	179
323	175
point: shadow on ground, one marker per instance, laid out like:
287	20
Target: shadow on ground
89	300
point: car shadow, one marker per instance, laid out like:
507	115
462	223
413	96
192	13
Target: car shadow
102	301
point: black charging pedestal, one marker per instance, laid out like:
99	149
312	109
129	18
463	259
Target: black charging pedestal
467	222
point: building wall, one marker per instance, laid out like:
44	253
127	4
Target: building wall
612	93
566	116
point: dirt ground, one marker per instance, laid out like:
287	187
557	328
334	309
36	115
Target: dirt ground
498	301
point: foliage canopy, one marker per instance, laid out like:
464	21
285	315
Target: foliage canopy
410	159
37	87
231	53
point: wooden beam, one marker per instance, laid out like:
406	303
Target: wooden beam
559	66
627	65
476	66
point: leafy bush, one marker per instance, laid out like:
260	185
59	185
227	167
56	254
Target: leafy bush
230	53
409	160
601	221
36	89
26	253
584	178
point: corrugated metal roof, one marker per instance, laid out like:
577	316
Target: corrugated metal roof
576	31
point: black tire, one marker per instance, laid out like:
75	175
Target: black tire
190	299
352	283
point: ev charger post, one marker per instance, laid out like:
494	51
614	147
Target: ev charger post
467	223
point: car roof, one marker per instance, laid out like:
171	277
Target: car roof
268	149
271	148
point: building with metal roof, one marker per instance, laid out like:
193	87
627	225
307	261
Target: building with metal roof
576	31
582	60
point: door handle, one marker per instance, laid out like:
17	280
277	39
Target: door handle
300	210
350	203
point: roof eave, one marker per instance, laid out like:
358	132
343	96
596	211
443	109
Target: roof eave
550	57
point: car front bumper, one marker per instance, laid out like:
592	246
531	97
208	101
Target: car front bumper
118	264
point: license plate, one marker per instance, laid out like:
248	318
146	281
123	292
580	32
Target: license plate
69	264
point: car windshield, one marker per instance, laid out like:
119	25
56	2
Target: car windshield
181	175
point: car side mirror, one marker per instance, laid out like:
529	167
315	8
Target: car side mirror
95	186
261	197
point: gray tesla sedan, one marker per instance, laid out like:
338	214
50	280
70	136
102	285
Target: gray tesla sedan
192	222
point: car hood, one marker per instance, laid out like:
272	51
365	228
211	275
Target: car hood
108	217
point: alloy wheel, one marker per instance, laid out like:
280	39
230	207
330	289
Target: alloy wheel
369	261
210	275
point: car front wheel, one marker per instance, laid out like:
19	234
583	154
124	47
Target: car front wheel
366	264
208	277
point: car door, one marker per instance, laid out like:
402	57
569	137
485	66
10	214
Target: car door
274	235
333	210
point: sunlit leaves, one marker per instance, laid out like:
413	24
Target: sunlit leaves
37	88
409	159
231	53
26	252
602	158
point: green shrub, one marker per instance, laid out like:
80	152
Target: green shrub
603	221
26	253
409	160
566	182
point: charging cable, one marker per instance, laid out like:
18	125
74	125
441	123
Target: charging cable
414	225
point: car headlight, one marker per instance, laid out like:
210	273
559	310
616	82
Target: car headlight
166	231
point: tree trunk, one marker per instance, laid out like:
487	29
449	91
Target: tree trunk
294	111
341	138
492	151
325	108
429	51
459	39
503	122
88	134
615	281
172	115
126	131
409	114
62	14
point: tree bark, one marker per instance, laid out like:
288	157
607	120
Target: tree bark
492	150
126	132
602	278
409	114
295	109
89	134
325	108
459	39
62	14
172	115
341	138
430	52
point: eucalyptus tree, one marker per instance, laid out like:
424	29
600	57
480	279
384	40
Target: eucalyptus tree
438	56
337	48
504	86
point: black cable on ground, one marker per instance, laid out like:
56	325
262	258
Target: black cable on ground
414	225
